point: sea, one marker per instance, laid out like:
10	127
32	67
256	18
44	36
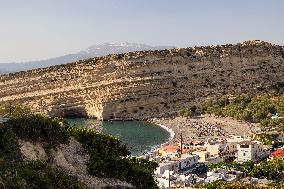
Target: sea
139	137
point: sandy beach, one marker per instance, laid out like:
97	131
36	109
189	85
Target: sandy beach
204	127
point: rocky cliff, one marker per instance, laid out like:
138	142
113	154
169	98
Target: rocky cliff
140	85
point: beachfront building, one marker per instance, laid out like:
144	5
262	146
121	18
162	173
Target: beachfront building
165	150
223	149
207	158
251	150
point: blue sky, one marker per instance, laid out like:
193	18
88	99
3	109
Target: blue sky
39	29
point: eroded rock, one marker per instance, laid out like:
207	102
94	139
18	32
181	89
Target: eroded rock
146	84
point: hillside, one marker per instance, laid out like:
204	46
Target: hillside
38	151
92	51
145	84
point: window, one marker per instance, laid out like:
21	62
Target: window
244	154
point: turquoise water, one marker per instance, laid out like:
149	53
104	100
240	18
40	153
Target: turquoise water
139	137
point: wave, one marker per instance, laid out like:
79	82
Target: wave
172	133
171	137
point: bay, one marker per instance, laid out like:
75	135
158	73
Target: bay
139	137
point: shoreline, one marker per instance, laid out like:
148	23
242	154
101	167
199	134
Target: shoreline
154	148
198	128
203	127
170	131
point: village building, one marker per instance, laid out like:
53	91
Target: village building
207	158
163	151
251	150
225	150
186	161
222	174
176	163
170	165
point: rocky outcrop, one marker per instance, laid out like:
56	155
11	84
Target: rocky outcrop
145	84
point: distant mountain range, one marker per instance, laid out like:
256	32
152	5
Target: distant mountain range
92	51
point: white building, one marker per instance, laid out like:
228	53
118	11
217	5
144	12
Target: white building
207	158
186	161
166	166
224	149
222	174
251	150
177	164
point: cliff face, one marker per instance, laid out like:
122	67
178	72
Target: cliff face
146	84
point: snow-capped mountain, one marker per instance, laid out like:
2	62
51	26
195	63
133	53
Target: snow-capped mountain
117	48
92	51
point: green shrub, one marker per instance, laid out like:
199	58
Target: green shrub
273	123
268	139
14	110
229	185
38	128
272	170
188	111
98	143
110	159
9	147
247	107
245	167
34	175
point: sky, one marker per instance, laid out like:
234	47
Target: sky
41	29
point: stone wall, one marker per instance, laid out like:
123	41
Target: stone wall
145	84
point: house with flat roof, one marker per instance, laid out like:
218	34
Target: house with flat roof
251	150
225	150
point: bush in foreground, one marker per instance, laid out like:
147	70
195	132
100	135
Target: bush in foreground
109	159
38	128
35	174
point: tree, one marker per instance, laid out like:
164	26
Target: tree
189	110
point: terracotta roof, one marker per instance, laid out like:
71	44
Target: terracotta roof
196	142
169	148
278	153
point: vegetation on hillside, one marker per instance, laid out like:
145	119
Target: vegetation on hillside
241	185
189	110
272	170
109	158
8	110
247	107
9	147
38	128
269	139
229	185
17	173
35	174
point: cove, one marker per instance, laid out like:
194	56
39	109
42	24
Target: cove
139	137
